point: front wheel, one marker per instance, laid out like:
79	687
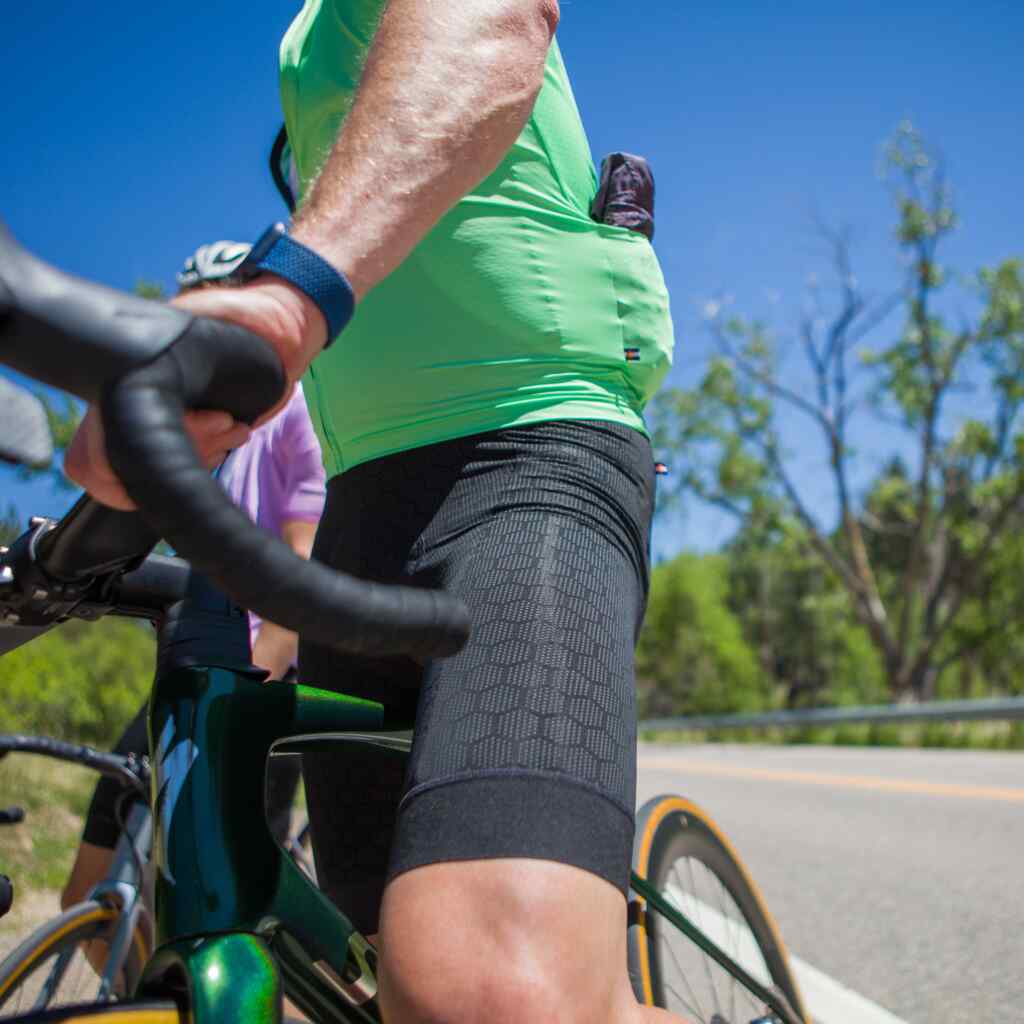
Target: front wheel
681	853
51	968
108	1013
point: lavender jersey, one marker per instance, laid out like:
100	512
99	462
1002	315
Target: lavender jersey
277	476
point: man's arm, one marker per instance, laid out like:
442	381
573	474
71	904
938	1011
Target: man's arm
445	92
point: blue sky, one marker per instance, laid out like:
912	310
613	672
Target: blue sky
132	133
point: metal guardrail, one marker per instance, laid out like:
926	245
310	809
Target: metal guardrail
1002	708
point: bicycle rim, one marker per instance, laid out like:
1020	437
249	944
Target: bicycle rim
123	1013
49	969
681	852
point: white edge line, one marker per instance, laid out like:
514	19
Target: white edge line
830	1002
827	1000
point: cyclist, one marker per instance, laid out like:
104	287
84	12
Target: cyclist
481	419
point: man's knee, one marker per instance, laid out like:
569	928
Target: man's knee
501	942
506	993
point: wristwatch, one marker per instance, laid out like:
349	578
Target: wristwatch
276	252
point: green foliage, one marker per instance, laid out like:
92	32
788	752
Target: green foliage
150	290
63	417
692	656
37	854
11	525
82	681
799	619
913	590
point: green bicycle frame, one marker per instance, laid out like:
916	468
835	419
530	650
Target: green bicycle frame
238	922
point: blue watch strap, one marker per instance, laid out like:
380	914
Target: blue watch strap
279	254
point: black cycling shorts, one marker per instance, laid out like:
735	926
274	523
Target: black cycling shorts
525	742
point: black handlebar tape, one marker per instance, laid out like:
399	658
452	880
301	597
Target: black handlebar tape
159	582
108	764
209	367
73	334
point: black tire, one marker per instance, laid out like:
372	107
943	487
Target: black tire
54	955
680	852
6	894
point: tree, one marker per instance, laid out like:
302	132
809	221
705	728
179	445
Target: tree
10	525
944	520
692	656
63	417
797	617
81	681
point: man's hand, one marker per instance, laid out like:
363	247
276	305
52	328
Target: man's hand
213	433
268	306
272	308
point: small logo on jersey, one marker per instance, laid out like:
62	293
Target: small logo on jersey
632	355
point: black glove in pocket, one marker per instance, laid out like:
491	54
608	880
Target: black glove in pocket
625	196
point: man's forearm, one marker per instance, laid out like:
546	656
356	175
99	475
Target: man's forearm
445	92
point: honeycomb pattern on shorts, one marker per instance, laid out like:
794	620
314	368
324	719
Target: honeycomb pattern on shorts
546	683
543	531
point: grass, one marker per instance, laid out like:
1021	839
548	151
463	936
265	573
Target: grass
37	853
935	735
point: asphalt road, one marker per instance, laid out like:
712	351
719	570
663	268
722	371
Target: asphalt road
898	873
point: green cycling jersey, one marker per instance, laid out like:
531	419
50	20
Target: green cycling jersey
516	308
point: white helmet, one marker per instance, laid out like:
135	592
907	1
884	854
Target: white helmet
213	263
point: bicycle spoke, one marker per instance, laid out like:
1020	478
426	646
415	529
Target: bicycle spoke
689	1009
703	928
682	973
686	979
733	950
56	975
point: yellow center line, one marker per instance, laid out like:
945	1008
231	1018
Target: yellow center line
947	789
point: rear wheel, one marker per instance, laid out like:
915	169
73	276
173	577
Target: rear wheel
683	855
50	968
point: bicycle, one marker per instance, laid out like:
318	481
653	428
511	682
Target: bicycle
111	928
241	925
